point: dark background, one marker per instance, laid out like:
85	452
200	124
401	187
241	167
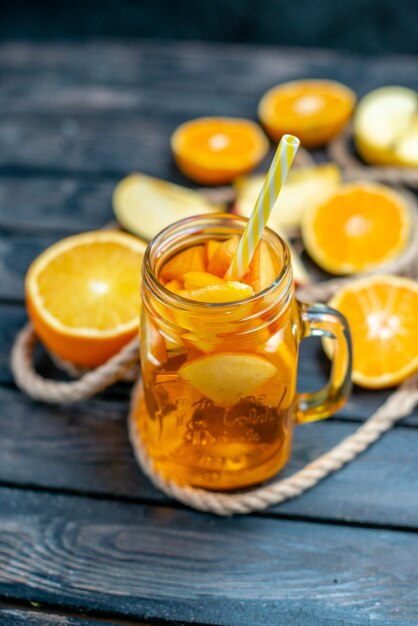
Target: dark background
366	26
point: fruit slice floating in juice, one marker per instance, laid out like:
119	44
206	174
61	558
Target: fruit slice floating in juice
226	378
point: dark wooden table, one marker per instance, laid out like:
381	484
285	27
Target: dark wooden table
84	537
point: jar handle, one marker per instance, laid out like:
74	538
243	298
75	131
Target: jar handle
320	320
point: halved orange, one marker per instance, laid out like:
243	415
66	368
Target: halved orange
356	228
382	312
83	295
214	150
314	110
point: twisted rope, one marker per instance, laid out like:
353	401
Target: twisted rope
398	405
54	392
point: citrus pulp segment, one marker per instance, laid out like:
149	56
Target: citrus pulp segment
356	228
382	313
214	150
313	110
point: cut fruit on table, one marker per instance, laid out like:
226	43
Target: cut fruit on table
313	110
145	205
226	378
82	295
214	150
382	312
386	127
303	187
359	227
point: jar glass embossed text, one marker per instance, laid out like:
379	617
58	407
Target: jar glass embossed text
218	400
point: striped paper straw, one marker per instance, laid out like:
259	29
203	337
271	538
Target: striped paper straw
265	202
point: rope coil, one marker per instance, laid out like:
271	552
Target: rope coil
124	366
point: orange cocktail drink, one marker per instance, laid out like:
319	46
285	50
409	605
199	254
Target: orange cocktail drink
219	358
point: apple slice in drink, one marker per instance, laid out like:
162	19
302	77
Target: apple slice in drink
231	291
221	259
262	271
227	378
198	280
154	344
191	259
211	246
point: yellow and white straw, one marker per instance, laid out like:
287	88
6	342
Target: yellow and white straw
265	202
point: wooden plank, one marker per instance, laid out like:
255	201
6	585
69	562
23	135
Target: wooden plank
55	204
173	68
61	122
160	563
380	487
16	254
88	145
18	616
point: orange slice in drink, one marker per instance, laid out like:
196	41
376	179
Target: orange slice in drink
226	378
83	295
358	227
382	312
314	110
214	150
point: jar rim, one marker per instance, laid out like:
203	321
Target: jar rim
193	226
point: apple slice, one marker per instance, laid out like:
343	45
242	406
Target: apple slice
153	344
231	291
145	205
386	127
191	259
227	378
303	186
211	246
262	271
197	280
174	285
221	260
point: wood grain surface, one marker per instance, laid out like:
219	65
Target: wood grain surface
83	534
149	562
22	616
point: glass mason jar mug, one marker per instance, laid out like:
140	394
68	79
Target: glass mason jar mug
218	400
